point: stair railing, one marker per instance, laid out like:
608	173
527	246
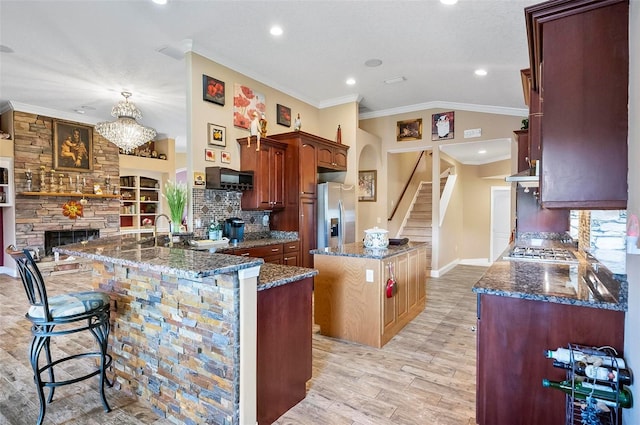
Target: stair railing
406	186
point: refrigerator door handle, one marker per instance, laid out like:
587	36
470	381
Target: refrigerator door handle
341	224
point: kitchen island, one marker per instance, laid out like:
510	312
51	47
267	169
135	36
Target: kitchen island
188	329
350	295
528	306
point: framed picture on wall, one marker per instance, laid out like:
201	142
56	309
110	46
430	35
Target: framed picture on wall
225	157
216	135
72	146
210	155
409	130
283	115
367	186
442	126
212	90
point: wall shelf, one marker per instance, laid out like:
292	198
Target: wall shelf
69	194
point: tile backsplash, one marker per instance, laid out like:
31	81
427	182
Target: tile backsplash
209	204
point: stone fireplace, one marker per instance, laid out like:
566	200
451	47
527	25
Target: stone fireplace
38	214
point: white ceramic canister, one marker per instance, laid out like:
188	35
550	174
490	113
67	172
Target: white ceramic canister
376	238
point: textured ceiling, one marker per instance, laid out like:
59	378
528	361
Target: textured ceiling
81	54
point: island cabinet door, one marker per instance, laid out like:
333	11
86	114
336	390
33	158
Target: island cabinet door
389	309
402	278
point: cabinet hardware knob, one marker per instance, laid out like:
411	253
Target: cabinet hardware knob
274	249
246	254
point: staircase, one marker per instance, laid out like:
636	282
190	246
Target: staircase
418	223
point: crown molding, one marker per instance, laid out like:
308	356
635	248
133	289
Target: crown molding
488	109
53	113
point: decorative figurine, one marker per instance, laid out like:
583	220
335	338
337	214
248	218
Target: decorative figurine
254	130
297	124
263	125
29	175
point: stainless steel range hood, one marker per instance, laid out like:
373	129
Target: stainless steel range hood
524	179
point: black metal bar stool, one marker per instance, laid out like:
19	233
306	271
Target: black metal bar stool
62	315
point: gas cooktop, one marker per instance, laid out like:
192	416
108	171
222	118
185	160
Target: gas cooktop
548	255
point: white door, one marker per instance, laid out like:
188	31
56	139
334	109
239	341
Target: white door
500	220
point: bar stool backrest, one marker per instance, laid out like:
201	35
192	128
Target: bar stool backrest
32	280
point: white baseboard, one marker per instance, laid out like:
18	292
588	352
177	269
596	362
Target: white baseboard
442	270
484	262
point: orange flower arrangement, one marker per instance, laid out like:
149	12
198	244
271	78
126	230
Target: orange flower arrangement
72	209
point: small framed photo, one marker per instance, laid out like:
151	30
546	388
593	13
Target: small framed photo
199	179
409	130
210	155
367	186
442	126
72	146
283	115
225	157
212	90
217	135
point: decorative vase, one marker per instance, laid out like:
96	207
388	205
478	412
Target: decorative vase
339	135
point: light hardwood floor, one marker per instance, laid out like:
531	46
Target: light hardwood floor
424	376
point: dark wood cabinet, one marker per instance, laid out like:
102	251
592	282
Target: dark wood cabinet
267	164
512	336
579	54
301	175
284	363
281	253
522	139
332	157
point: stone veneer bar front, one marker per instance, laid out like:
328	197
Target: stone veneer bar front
184	327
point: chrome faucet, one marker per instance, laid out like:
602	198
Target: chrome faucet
155	228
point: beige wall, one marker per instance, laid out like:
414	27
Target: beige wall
457	238
476	222
632	342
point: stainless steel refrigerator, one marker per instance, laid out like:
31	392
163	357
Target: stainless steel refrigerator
336	214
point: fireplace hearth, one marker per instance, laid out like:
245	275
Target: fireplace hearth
54	238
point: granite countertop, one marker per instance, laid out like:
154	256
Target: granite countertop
554	282
273	275
358	250
134	250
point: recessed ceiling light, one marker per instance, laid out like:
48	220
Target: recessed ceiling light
448	2
372	63
159	1
350	81
481	151
80	111
394	80
480	72
276	30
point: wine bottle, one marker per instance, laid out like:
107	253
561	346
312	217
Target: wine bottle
581	390
567	356
602	373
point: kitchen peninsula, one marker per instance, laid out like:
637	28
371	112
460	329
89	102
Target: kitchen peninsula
526	306
350	295
193	331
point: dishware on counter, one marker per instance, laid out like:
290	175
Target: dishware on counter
376	238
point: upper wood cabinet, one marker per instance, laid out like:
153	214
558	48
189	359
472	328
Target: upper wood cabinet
579	54
332	157
267	163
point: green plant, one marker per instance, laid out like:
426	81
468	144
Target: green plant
176	195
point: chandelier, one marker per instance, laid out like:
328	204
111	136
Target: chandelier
125	132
